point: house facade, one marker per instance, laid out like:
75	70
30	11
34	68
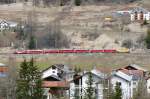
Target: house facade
55	80
139	14
7	24
128	77
136	13
148	85
126	83
80	83
60	80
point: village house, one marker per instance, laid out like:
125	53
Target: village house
60	80
80	83
3	70
7	24
139	14
136	13
55	80
128	77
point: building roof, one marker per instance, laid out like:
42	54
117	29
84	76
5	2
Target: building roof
122	75
134	9
139	9
132	71
62	67
101	72
138	73
87	73
59	84
135	66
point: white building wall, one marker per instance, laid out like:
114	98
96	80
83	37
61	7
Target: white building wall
148	16
138	16
148	86
84	86
100	91
145	16
132	17
133	85
125	85
72	90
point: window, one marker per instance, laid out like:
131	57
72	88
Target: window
134	83
119	83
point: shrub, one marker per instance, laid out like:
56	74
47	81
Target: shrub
77	2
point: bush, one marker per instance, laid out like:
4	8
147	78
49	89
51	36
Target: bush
77	2
127	43
147	39
32	43
145	22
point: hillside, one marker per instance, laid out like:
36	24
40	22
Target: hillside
79	27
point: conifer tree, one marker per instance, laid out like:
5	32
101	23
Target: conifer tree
90	90
29	82
117	92
76	91
32	43
77	2
147	39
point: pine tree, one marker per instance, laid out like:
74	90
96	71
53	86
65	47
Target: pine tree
118	92
145	22
147	39
77	2
76	91
32	43
90	91
29	82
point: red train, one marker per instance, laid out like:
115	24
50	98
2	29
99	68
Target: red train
53	51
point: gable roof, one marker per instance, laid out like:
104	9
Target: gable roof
87	73
138	73
61	67
122	75
137	67
139	9
101	72
134	9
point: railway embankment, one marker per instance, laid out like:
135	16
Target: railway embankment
112	60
